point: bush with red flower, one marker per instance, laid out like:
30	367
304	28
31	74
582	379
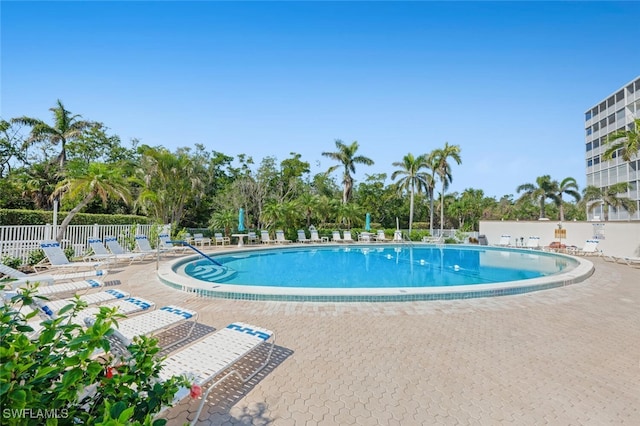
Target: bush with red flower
68	370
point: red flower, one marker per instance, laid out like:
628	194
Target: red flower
110	372
196	391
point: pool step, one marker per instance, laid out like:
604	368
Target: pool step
212	272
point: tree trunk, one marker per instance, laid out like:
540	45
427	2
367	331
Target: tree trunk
411	210
65	223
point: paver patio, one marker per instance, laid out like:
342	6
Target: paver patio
563	356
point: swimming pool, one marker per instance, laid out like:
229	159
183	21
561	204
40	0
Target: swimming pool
373	273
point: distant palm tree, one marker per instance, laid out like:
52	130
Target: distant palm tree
543	188
414	179
628	141
609	197
66	127
346	155
85	183
567	186
442	168
225	220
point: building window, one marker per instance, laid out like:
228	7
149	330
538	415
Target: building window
596	143
612	118
596	160
603	106
620	96
594	111
620	115
588	131
587	116
588	146
637	84
611	101
589	162
630	88
603	123
596	127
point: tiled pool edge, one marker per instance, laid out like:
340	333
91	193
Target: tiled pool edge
168	277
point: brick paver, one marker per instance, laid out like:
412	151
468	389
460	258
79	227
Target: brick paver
563	356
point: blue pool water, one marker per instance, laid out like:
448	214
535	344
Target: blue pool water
376	266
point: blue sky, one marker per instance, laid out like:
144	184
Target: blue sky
508	81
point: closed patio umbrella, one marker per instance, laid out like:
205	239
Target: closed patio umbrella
367	223
241	220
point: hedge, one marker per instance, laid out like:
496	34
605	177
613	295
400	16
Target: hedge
40	217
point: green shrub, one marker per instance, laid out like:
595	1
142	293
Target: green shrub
58	372
12	262
35	257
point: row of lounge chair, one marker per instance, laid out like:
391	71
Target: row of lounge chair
202	361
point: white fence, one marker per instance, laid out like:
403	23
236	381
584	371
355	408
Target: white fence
18	241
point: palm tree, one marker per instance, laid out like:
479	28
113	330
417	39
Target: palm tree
567	186
609	196
225	220
66	127
346	155
442	168
414	179
85	183
628	141
543	188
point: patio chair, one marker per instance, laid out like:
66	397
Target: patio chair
69	287
533	243
505	240
336	238
252	238
52	307
144	246
55	258
280	238
153	322
347	238
429	239
18	278
315	238
100	252
634	262
590	248
121	254
220	239
127	306
167	245
201	240
217	353
302	237
265	238
380	236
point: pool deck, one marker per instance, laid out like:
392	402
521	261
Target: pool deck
569	355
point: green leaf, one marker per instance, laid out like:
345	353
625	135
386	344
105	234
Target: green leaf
18	395
126	414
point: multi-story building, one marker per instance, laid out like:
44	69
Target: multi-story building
615	112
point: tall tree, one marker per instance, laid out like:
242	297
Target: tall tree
543	189
346	155
83	184
628	141
414	178
443	170
610	197
66	127
568	186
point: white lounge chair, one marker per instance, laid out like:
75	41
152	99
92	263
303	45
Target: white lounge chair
154	322
201	240
336	238
57	259
533	243
265	238
429	239
302	237
347	238
167	245
144	246
380	236
69	287
634	262
52	307
127	306
590	249
19	278
505	240
121	254
207	359
280	239
315	238
100	252
220	239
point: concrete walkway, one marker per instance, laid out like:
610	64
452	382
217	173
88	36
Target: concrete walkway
566	356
